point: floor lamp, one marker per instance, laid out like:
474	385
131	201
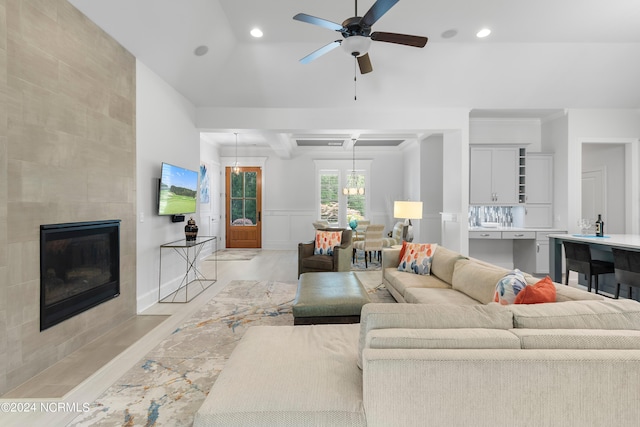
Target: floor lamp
407	210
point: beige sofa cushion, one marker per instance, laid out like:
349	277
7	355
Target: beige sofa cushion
477	280
437	296
430	316
604	314
401	280
578	339
441	338
444	260
312	368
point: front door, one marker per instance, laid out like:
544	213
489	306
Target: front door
243	208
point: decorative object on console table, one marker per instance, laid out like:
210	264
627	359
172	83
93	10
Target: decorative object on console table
407	210
191	230
599	226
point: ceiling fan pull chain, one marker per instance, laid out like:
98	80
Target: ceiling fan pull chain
355	79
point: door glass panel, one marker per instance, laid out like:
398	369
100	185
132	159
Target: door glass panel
244	189
237	185
250	184
237	211
250	212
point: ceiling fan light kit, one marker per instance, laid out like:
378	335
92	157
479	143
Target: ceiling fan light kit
356	45
357	35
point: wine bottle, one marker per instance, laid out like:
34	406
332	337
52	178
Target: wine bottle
599	226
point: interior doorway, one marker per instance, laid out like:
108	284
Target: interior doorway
604	185
243	207
593	194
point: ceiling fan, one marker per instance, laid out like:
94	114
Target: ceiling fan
357	35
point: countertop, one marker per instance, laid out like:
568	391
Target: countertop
631	241
550	230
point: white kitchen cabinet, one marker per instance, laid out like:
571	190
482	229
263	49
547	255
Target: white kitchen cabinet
533	256
539	187
538	216
494	175
539	181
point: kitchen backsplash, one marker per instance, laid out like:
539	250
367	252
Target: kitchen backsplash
503	216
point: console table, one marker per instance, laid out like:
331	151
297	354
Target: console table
194	282
600	249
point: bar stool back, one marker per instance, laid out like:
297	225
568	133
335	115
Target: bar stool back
627	269
578	258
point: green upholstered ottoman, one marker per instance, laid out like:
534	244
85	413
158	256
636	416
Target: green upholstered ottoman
329	297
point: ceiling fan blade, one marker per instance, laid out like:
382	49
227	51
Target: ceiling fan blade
303	17
405	39
317	53
364	63
378	9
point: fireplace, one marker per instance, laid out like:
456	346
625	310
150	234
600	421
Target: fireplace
79	268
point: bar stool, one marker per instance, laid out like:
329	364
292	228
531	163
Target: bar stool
627	269
578	258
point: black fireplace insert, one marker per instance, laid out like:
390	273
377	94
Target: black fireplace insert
79	268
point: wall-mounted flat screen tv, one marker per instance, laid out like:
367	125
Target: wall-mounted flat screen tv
178	190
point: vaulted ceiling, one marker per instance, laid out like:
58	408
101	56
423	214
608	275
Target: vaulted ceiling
543	54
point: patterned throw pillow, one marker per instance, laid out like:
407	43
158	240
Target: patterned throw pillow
325	241
417	258
509	286
541	292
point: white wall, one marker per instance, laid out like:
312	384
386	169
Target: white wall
555	134
432	186
289	194
611	127
165	133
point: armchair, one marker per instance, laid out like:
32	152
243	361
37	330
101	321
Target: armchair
340	260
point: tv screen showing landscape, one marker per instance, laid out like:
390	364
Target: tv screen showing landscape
178	190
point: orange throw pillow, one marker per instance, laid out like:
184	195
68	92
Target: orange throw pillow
402	251
543	291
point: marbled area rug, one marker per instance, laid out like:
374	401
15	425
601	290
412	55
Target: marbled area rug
168	386
233	255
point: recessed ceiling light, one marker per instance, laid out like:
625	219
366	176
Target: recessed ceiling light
256	32
201	50
449	34
483	33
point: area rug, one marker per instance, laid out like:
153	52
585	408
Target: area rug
233	255
167	387
359	265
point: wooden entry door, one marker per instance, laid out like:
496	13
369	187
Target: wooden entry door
243	207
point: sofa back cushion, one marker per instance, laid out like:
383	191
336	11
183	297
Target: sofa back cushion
578	339
603	314
477	280
441	338
443	263
430	316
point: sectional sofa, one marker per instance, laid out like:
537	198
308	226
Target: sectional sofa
453	363
455	279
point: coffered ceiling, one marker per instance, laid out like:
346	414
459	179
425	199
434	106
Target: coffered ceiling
541	56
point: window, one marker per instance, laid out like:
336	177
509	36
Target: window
329	191
356	203
333	206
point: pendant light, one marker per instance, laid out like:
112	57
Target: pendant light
236	167
352	188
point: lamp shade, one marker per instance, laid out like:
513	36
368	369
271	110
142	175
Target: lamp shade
407	210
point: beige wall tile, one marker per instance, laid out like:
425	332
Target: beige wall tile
67	154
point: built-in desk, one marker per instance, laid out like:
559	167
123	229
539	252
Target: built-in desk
600	249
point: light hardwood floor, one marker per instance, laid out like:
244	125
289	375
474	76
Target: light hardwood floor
84	375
